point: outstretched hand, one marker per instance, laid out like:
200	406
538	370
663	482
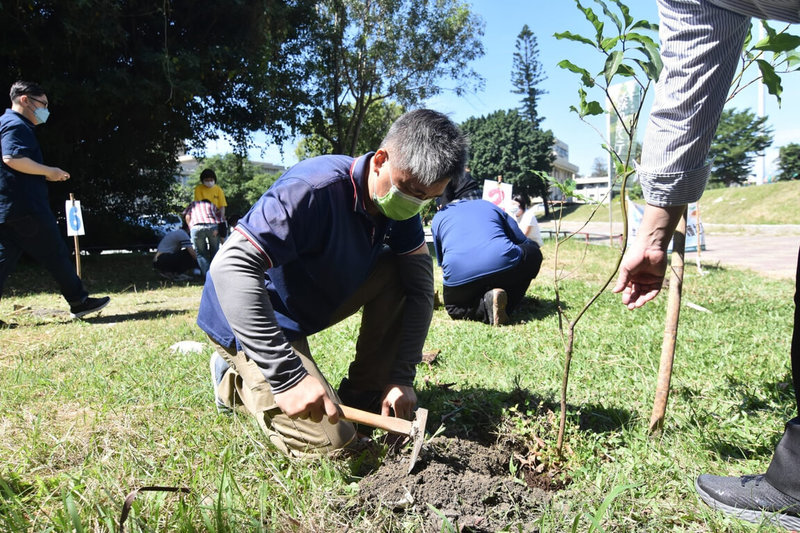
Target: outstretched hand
307	400
641	275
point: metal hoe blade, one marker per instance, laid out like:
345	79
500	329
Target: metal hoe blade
418	434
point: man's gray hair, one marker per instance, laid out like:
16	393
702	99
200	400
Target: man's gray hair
427	145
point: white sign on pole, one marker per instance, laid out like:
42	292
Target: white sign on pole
500	194
695	236
622	105
74	218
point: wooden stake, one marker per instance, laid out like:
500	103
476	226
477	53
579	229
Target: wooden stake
670	326
77	246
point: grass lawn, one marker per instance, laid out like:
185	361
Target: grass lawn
93	409
773	203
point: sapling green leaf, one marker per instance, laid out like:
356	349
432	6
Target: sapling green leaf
626	15
591	16
613	62
650	69
574	37
782	42
644	25
590	107
609	43
770	79
586	78
614	18
650	49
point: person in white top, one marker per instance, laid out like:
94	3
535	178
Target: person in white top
525	218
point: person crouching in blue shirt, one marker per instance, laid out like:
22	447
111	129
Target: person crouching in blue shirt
487	262
333	235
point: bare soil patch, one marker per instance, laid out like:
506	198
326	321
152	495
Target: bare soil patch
462	482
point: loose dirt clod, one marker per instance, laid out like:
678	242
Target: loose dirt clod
468	483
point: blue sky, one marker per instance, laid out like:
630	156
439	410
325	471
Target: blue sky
504	20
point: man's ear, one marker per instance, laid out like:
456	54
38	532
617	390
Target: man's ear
380	158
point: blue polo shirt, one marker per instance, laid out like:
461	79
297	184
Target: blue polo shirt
320	242
474	238
20	194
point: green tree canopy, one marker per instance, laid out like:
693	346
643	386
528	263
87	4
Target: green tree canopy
527	73
402	51
242	181
789	162
740	137
505	144
130	83
377	121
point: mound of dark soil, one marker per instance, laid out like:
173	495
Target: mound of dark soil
468	484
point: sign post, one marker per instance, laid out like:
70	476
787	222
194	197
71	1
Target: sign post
75	227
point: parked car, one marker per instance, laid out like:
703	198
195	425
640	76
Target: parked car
111	232
161	224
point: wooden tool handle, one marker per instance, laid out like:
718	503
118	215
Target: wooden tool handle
670	326
389	423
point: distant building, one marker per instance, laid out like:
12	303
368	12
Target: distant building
591	188
188	166
562	170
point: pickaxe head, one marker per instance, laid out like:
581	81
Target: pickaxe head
414	429
417	434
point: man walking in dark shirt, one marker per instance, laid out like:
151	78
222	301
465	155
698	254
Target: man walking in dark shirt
26	222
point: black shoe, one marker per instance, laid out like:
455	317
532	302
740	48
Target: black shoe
495	302
750	498
89	305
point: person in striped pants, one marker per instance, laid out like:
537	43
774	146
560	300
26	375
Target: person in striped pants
701	42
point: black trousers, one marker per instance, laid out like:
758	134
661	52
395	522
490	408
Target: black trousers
784	470
465	302
176	263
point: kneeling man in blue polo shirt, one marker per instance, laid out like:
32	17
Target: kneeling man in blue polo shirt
333	235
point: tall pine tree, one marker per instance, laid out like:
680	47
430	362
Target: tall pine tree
527	73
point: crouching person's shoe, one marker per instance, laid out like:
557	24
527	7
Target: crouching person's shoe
495	302
89	305
218	367
750	498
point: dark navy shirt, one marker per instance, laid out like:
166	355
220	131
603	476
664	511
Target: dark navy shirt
315	233
474	238
20	194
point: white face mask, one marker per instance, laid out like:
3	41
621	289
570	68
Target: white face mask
515	210
208	183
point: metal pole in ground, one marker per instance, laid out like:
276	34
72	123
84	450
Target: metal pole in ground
670	326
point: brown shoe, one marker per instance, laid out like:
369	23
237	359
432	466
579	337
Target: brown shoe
495	301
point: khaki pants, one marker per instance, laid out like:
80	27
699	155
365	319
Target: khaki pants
244	388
